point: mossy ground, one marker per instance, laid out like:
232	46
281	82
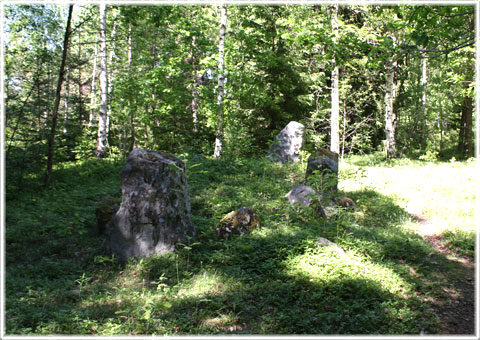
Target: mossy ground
276	280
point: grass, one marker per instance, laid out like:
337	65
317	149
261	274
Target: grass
444	193
276	280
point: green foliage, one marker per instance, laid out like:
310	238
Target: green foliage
276	280
429	156
278	69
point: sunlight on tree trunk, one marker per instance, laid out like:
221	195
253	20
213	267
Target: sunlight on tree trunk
335	105
221	64
423	108
111	78
389	112
102	118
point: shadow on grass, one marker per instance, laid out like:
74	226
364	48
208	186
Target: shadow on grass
253	284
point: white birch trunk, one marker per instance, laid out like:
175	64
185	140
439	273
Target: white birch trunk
221	64
424	81
335	103
389	112
423	110
102	118
110	77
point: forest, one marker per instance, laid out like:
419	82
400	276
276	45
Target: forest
390	89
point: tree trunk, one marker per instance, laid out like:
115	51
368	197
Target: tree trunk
51	139
132	112
221	64
102	117
110	78
465	137
154	89
196	83
344	132
465	140
423	108
335	104
92	93
390	118
67	88
424	81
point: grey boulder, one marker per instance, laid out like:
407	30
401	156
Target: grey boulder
287	144
154	214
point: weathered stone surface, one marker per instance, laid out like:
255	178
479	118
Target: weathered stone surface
329	205
302	194
323	242
326	162
305	196
238	222
154	214
104	211
287	144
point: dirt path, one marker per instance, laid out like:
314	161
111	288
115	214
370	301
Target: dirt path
455	304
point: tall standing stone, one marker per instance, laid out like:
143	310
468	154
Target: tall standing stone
154	214
287	144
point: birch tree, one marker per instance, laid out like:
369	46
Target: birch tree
390	117
335	105
102	117
221	65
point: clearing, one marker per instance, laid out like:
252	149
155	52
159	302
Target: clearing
407	269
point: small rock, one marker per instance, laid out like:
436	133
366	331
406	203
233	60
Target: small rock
238	222
346	202
305	196
323	242
302	194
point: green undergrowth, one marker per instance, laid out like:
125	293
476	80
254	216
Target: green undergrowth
276	280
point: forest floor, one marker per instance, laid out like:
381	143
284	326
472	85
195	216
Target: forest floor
441	200
456	307
408	266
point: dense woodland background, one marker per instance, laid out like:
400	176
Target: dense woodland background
390	88
361	79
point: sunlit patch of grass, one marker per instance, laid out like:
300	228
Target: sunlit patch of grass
204	284
324	265
445	193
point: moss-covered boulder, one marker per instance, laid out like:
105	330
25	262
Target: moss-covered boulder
238	222
346	202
